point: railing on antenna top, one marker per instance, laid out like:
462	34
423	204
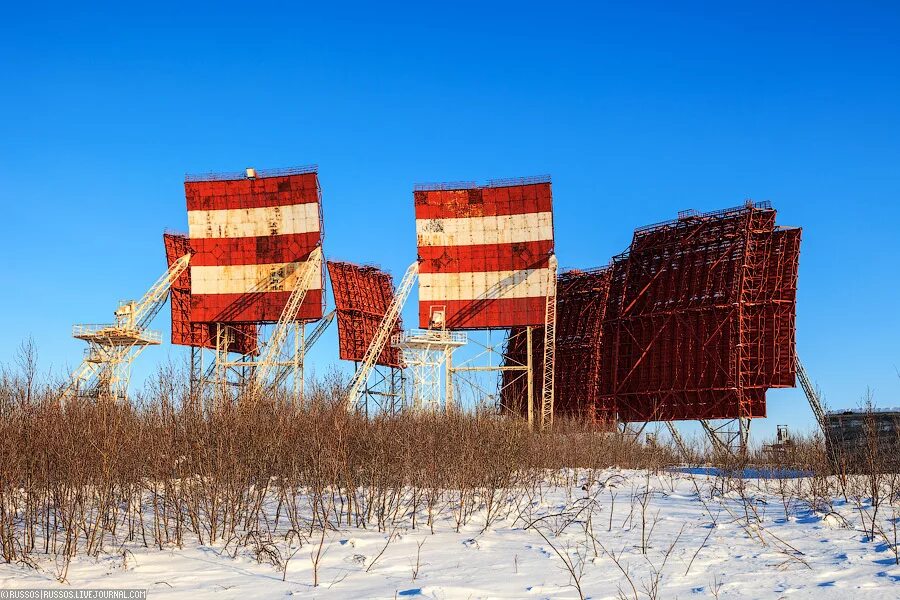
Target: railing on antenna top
470	185
260	174
511	181
445	186
113	330
693	214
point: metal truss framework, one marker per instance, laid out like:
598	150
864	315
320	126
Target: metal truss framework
384	391
700	318
517	372
694	322
105	371
580	304
382	335
362	297
549	360
729	436
226	376
428	352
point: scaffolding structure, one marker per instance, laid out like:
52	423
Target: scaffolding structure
581	302
695	322
379	343
429	353
228	376
700	321
549	358
699	318
105	370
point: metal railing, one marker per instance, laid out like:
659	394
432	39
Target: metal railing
445	186
691	214
111	329
471	185
512	181
260	174
429	336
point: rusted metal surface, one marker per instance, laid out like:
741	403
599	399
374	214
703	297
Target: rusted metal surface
362	295
250	236
581	303
484	253
695	321
199	335
700	317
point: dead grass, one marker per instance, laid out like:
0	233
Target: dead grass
82	478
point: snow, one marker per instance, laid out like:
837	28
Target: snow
704	535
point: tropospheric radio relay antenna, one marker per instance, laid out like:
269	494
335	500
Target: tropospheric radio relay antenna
487	264
257	239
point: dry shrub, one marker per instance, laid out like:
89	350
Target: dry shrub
267	474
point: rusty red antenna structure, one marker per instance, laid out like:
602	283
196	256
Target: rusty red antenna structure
362	297
700	319
186	332
256	241
485	263
694	322
581	303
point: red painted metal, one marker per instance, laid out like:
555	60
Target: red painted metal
700	317
695	321
580	306
483	252
237	220
200	335
362	295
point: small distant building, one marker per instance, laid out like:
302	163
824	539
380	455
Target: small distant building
854	438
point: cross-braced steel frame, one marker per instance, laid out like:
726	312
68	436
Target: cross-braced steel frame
581	302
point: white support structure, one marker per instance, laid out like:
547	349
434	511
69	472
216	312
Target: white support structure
812	396
221	367
383	335
105	371
426	351
683	449
269	357
549	346
307	342
731	437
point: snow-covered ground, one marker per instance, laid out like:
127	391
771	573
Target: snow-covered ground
628	534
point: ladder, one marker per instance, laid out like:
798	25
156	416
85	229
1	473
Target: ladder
549	346
812	396
382	336
271	353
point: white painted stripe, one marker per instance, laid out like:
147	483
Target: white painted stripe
243	279
490	285
499	229
254	222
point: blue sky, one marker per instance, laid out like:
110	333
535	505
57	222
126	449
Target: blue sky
636	112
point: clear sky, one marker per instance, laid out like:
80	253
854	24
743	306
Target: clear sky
636	112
